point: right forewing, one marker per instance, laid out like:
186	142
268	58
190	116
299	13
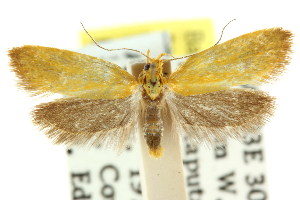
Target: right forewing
45	70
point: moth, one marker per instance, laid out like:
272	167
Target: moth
103	104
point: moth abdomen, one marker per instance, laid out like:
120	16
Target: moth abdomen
153	128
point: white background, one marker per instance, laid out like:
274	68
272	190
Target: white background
32	168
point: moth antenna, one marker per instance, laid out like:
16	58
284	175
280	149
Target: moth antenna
177	58
223	31
198	52
112	49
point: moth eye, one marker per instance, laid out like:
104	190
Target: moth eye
147	66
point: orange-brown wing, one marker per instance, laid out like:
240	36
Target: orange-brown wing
252	58
50	70
215	116
75	121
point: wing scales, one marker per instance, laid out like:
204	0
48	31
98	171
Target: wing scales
215	116
88	121
43	70
252	58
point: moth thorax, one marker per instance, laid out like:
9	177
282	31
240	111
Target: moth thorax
152	79
153	128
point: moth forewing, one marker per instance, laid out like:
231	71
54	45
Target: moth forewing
50	70
252	58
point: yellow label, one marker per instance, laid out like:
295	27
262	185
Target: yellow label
188	36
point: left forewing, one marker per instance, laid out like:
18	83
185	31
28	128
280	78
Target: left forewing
75	121
253	58
213	117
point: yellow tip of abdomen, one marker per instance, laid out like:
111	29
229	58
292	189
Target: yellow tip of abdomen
157	152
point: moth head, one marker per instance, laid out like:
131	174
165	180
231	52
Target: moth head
151	78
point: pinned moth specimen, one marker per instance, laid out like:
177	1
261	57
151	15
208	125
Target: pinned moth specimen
103	104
